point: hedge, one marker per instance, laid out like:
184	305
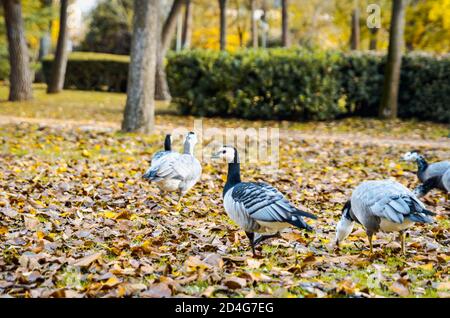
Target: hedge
300	85
290	84
93	71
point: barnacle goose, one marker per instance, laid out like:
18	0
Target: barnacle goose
175	172
381	205
430	175
255	206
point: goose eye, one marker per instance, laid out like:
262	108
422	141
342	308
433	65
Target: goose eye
224	151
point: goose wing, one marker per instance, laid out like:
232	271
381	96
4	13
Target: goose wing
389	200
446	180
437	169
263	202
158	155
177	166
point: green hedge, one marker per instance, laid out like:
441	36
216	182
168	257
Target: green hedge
268	84
301	85
290	84
93	71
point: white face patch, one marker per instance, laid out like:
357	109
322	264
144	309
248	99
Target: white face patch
191	139
226	152
343	229
410	156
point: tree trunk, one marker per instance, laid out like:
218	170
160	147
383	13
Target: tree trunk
168	30
187	27
389	101
59	64
254	24
373	39
223	24
45	45
355	34
20	76
139	115
285	38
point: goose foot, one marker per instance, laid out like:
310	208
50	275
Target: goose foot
261	238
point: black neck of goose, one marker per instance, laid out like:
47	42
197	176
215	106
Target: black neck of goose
234	173
422	164
167	144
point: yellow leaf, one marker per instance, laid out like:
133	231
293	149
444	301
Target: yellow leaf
85	153
112	281
427	267
110	215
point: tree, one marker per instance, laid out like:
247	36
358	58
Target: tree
59	65
20	76
187	27
139	115
355	34
254	24
389	103
223	24
285	38
110	25
167	33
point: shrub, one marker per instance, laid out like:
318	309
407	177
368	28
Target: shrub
300	85
93	71
268	84
290	84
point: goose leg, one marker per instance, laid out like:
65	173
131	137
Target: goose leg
262	238
180	196
370	236
251	237
402	241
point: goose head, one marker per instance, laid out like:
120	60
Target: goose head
411	156
345	224
228	153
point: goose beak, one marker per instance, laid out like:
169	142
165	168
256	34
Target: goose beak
215	155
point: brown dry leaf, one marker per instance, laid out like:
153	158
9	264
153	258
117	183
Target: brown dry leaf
193	263
214	260
400	288
234	282
253	263
159	290
87	260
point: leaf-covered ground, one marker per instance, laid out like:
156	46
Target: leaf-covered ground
77	220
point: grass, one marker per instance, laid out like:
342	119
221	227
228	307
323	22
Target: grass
70	105
108	107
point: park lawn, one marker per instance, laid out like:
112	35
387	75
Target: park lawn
77	220
108	107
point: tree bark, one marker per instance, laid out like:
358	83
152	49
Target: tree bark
223	24
285	38
139	115
373	39
254	24
168	30
187	27
20	76
389	102
355	34
59	65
